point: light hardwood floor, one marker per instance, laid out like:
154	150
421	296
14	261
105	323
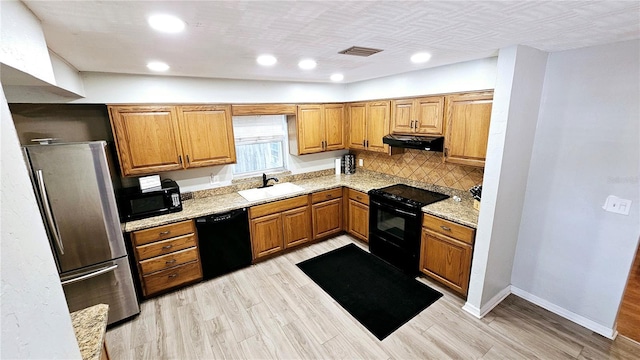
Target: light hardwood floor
273	310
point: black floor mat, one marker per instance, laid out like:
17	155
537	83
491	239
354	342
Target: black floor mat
380	296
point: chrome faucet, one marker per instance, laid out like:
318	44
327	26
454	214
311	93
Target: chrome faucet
265	181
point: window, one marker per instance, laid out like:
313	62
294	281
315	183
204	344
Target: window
260	144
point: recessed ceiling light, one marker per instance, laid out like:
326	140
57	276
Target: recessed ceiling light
307	64
266	60
157	66
166	23
337	77
420	57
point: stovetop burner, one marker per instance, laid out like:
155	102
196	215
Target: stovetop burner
409	195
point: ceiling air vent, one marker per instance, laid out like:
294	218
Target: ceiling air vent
359	51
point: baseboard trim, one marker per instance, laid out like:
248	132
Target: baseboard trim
493	302
578	319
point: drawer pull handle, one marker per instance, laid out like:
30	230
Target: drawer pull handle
165	232
445	228
170	262
358	197
328	196
172	275
167	247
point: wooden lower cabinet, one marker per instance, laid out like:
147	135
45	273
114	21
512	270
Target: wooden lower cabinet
445	258
296	226
279	225
326	215
357	214
167	257
266	234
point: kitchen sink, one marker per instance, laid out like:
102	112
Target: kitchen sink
270	192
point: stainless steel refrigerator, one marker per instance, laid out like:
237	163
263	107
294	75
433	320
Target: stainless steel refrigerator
74	184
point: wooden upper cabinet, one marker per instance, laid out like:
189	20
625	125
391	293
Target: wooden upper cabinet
357	125
467	130
207	135
368	124
147	138
402	118
152	139
310	129
316	128
377	125
333	126
421	116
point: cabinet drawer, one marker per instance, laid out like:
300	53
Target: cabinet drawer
162	232
172	277
278	206
358	196
165	246
326	195
456	231
166	261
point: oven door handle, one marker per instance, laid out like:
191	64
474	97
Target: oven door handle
397	211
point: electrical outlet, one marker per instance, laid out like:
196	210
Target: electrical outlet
617	205
213	179
360	162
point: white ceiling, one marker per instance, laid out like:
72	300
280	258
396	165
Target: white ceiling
223	38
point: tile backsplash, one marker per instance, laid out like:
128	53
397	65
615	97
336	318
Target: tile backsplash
420	165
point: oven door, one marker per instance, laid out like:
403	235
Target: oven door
394	234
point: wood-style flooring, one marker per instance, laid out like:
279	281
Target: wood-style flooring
629	314
272	310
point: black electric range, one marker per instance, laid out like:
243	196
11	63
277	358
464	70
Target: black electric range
395	222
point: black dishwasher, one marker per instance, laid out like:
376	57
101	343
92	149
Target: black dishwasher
224	242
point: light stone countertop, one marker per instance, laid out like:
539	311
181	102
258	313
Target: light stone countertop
90	326
460	212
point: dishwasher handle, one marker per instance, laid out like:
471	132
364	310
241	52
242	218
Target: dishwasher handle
222	217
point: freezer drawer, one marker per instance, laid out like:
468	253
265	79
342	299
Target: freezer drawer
107	283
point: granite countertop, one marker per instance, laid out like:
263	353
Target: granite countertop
461	212
90	326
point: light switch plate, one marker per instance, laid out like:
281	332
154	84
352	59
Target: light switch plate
617	205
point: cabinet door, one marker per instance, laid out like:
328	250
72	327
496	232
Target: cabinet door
402	116
358	220
377	125
467	128
357	125
333	115
310	129
147	138
446	260
266	235
207	135
296	226
327	218
429	115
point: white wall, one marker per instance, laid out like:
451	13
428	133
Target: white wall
513	123
35	317
571	254
22	43
103	88
466	76
67	77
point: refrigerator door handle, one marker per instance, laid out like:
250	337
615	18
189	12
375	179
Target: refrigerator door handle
47	210
91	274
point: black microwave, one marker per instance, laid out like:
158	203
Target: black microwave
136	204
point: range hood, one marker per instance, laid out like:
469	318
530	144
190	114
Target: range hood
429	143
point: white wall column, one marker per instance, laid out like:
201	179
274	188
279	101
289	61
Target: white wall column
514	115
35	317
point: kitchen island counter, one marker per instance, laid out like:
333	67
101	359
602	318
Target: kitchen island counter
90	326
